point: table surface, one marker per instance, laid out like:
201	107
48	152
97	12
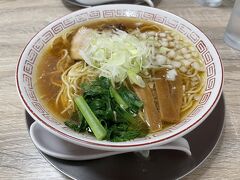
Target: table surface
21	19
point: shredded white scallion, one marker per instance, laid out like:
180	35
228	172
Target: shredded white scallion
116	54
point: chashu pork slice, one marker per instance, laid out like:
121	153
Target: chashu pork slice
151	113
169	94
80	42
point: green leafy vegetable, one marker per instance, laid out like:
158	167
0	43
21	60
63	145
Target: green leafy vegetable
98	97
134	103
121	132
77	122
114	110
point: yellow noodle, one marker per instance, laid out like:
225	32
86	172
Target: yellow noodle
71	79
150	28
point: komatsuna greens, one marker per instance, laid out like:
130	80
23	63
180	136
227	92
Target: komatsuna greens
107	112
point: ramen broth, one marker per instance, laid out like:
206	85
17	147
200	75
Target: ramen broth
47	63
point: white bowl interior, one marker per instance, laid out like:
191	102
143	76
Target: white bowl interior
214	70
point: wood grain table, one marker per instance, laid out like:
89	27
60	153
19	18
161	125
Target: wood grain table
21	19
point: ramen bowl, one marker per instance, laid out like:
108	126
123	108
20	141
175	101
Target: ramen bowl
26	69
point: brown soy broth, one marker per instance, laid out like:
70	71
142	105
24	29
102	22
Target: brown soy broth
130	23
46	91
46	63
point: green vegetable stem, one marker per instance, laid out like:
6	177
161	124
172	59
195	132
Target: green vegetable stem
93	122
118	98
